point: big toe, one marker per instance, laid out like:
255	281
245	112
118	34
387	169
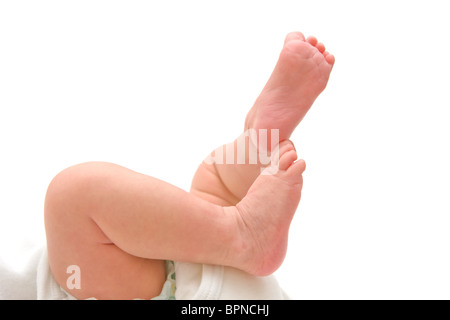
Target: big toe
294	36
295	172
297	168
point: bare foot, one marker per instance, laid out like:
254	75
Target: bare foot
265	214
300	75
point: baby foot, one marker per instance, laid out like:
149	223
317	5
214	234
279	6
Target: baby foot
300	75
265	214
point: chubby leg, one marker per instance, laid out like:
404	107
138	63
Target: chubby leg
111	222
300	75
117	226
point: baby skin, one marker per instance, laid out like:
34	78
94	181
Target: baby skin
119	226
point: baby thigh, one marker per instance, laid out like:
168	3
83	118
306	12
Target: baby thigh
75	243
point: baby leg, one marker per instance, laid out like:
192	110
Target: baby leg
117	226
113	223
300	75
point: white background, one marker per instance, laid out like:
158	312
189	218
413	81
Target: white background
155	86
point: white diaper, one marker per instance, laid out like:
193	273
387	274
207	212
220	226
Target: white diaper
211	282
192	281
47	287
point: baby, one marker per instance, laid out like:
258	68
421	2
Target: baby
119	228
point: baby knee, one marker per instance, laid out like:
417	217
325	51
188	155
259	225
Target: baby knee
70	189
